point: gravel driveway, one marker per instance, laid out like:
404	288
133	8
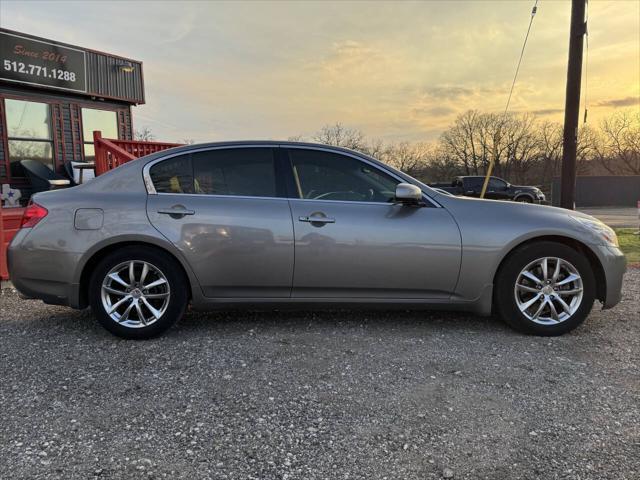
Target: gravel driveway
366	395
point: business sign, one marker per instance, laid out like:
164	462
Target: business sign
38	62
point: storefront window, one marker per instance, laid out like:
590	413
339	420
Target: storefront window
104	121
29	134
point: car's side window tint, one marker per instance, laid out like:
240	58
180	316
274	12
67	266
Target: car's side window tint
322	175
497	184
235	171
474	183
173	175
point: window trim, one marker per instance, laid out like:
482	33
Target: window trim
500	180
9	176
428	200
83	141
282	160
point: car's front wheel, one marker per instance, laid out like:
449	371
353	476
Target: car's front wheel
545	288
138	293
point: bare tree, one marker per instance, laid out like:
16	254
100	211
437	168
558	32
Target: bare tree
523	148
461	142
144	135
340	136
618	148
408	157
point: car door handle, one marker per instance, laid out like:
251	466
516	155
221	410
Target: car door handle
176	212
317	219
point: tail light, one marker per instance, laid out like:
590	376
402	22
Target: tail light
32	215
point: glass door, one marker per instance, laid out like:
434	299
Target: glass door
106	121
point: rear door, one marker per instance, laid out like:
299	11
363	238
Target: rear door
225	210
352	241
472	186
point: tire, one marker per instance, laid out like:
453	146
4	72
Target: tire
158	307
554	319
524	199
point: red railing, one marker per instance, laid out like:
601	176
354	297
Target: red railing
112	153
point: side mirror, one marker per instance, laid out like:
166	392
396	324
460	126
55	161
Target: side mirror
407	193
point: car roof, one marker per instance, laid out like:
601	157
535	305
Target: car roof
272	143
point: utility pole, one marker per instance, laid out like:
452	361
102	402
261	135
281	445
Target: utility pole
572	105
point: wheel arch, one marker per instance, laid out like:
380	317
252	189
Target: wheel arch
524	194
95	258
598	270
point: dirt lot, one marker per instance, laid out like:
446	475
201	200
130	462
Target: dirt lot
332	395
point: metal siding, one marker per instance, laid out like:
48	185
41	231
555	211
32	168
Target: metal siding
3	169
68	133
602	191
105	79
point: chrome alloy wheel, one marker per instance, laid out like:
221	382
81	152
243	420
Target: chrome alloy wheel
548	290
135	293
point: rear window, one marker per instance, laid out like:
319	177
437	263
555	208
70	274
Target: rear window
174	175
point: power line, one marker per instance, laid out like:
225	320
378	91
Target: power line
524	46
534	10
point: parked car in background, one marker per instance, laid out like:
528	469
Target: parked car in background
255	224
497	189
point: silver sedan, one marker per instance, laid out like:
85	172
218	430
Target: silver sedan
266	224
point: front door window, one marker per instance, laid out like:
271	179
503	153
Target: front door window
323	175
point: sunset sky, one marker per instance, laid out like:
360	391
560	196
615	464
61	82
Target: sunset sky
395	70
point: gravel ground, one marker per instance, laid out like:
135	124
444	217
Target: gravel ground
358	395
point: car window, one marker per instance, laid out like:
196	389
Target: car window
497	184
473	182
174	175
238	171
328	176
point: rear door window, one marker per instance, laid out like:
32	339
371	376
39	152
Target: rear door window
474	183
248	172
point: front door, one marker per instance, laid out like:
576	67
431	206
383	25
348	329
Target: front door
352	241
223	209
497	189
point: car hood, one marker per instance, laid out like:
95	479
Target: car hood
497	211
524	187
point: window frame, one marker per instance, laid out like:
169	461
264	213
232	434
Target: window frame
285	186
9	176
504	184
292	188
279	175
83	141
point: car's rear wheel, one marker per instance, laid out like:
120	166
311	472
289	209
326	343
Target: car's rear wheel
545	288
138	293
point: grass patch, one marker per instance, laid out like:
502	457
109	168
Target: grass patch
629	243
